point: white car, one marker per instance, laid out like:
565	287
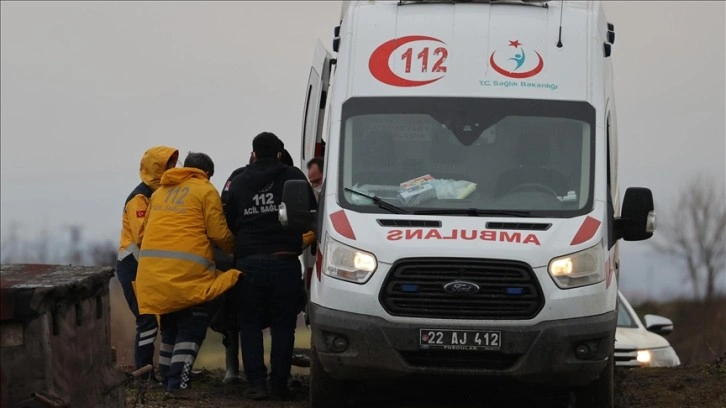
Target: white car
638	345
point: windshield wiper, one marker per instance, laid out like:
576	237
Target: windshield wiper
474	212
379	202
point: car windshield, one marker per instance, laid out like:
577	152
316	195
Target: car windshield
624	317
468	156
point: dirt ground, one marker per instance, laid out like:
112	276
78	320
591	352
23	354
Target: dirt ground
699	337
686	386
702	386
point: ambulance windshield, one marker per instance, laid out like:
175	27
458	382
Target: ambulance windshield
468	155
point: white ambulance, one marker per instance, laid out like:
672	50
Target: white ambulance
470	214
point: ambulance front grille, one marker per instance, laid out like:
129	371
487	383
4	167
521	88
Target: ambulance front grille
507	290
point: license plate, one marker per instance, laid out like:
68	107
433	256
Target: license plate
460	339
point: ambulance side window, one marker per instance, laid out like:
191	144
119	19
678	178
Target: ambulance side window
305	117
310	118
610	186
609	161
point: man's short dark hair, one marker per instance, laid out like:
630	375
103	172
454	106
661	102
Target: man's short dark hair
266	145
318	161
200	161
286	158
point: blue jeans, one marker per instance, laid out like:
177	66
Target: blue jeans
182	334
146	326
270	291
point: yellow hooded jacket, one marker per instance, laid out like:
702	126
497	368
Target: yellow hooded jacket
153	165
176	262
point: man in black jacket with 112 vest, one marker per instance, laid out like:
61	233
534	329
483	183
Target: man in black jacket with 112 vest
268	253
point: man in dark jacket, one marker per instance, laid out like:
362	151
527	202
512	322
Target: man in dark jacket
285	157
226	321
268	253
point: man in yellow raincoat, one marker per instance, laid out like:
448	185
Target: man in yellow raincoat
154	162
177	277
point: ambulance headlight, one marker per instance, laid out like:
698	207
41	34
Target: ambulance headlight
578	269
348	263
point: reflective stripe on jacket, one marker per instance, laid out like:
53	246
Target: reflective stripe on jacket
176	262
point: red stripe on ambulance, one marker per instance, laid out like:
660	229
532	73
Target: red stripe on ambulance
341	224
318	265
587	230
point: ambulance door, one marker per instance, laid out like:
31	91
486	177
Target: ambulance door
312	133
314	112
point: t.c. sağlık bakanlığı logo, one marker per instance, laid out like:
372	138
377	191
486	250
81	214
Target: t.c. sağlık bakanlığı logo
522	63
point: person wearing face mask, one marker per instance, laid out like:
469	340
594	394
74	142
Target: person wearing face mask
315	175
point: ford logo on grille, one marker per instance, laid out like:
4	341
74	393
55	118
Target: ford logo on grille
461	288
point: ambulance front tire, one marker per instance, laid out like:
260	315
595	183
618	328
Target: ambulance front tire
325	391
601	392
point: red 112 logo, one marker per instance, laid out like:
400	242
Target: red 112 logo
413	60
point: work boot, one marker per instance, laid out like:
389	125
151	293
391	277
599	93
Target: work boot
182	394
232	377
256	392
148	382
300	360
280	392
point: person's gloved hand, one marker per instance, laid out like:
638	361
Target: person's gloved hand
308	239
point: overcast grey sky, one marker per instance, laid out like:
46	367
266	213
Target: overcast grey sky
86	87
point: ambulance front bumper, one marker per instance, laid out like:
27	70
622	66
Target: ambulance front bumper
567	352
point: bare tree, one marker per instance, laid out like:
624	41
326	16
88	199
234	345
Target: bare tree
17	249
48	247
103	253
11	245
695	233
75	255
42	245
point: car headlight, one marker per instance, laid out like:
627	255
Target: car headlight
658	357
348	263
644	357
578	269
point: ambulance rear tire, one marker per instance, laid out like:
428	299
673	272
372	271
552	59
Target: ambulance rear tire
325	391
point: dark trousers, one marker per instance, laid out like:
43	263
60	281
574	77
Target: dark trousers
182	334
146	325
225	320
270	291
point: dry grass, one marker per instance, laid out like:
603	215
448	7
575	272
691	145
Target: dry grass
211	355
123	326
688	386
699	334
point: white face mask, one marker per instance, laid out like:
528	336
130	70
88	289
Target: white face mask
317	190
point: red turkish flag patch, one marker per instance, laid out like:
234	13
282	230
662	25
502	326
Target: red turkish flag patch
141	214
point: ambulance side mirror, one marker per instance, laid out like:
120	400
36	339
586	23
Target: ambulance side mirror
294	211
637	218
